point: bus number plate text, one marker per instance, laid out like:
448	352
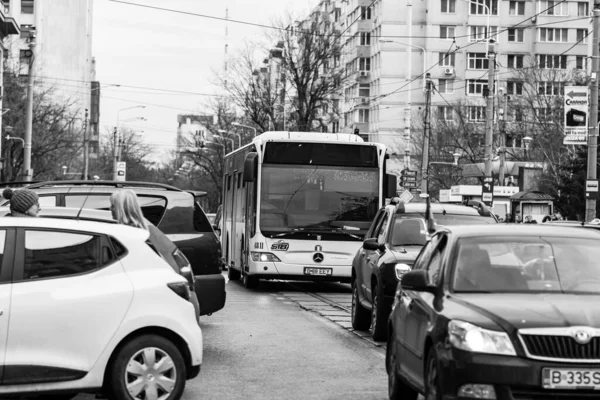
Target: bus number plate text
318	271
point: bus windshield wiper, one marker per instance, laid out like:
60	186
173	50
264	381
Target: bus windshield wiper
292	231
335	230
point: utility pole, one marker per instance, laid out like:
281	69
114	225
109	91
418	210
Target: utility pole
426	134
489	127
115	154
86	148
29	112
590	204
408	109
503	140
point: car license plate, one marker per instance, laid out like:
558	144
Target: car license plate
318	271
568	378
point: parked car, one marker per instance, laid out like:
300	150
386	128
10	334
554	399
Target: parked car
159	242
174	211
395	237
75	314
501	312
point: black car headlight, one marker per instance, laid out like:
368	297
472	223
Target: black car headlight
469	337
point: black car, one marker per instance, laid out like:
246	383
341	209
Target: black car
391	245
174	211
501	312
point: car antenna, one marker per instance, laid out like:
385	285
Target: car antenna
428	213
83	204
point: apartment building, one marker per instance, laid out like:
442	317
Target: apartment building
448	41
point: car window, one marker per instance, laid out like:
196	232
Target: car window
47	201
2	244
153	207
528	264
460	219
201	223
408	231
383	229
425	255
372	232
50	254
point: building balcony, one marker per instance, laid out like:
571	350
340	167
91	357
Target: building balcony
360	52
8	25
364	25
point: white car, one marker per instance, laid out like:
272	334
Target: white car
91	307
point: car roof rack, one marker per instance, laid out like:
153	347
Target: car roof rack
480	206
17	184
116	184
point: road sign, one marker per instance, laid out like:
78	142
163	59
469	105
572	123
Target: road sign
121	166
409	184
487	191
591	189
576	115
406	196
408	172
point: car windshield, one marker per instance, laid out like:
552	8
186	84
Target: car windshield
460	219
409	231
527	264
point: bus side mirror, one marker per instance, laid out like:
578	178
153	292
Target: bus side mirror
390	186
250	167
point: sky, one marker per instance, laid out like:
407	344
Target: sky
139	50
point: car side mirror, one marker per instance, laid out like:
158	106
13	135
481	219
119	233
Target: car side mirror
401	270
417	280
372	244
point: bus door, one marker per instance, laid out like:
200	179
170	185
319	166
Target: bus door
233	247
250	219
238	233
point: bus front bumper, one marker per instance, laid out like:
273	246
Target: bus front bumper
280	270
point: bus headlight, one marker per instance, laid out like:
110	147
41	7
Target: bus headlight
265	257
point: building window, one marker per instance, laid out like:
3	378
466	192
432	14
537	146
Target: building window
363	115
516	35
515	60
446	32
365	12
365	38
554	34
477	61
446	86
516	8
448	6
476	113
445	113
476	87
583	9
478	33
544	113
481	7
581	62
582	35
364	90
550	88
364	64
27	6
446	59
514	88
550	61
554	7
5	6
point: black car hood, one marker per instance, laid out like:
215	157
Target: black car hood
513	311
411	253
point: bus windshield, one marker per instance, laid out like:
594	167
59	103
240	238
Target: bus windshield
318	199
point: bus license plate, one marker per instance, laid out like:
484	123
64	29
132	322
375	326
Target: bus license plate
568	378
318	271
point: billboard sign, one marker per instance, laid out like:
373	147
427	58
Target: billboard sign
576	115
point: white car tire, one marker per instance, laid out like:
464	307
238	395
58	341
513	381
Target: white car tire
148	367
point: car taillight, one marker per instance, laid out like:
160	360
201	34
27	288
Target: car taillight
185	268
182	289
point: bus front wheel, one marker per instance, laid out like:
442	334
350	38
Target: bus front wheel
233	274
250	281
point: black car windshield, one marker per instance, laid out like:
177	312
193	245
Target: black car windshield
527	264
318	198
408	230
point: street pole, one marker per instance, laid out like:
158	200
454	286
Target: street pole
86	148
503	141
29	115
489	128
407	110
590	203
426	133
115	154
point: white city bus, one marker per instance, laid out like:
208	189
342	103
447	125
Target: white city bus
296	205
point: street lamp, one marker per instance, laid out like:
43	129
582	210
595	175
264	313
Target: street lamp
456	156
229	133
224	138
244	126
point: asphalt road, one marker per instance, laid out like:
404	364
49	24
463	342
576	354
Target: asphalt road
285	341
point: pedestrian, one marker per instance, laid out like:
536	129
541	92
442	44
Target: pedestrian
508	218
125	208
23	202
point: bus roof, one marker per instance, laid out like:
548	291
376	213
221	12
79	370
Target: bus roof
312	136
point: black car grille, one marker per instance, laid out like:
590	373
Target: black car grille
562	347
